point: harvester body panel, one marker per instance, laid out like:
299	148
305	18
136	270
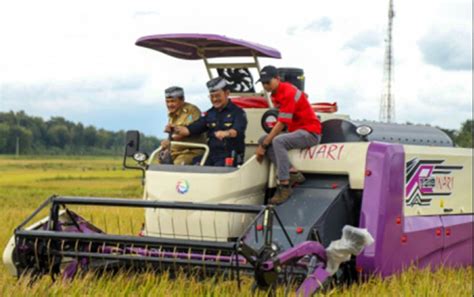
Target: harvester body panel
438	181
245	185
401	240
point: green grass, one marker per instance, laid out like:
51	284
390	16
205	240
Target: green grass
25	182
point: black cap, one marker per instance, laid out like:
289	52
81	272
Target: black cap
267	73
174	92
216	84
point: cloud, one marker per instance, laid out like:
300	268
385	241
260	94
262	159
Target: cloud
364	40
74	97
146	13
323	24
69	62
291	30
449	49
436	108
115	103
112	103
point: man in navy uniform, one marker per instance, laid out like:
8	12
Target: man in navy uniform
224	123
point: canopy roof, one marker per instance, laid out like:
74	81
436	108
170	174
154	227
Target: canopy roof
198	46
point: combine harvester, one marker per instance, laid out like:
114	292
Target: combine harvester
378	198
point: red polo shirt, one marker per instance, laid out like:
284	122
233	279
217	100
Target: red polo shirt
294	109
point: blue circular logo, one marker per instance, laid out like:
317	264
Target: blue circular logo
182	186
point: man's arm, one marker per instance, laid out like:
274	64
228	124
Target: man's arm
238	128
279	126
194	116
240	124
285	116
262	148
195	128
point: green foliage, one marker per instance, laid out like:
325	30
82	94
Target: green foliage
59	136
451	133
4	132
464	138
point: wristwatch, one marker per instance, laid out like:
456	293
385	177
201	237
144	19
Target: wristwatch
265	146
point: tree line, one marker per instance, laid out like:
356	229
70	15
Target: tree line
463	136
33	135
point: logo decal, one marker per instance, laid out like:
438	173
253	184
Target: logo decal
426	179
182	186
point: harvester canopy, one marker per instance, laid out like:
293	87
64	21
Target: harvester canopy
199	46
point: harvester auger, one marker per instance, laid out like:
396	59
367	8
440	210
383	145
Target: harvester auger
377	198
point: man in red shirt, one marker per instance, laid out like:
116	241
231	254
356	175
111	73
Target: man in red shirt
304	130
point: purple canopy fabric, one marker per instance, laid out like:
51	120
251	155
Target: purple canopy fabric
197	46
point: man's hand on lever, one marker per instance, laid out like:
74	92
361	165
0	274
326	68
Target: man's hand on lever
181	131
165	144
169	128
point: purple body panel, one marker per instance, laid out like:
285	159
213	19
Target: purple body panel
399	241
312	283
458	240
197	46
301	250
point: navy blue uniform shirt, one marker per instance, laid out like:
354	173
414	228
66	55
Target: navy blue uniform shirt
230	117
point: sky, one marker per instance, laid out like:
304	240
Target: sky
77	59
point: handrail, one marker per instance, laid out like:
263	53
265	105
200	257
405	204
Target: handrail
187	144
130	202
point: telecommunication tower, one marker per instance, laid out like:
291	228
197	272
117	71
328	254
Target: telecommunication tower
387	102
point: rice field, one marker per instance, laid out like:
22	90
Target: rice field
27	181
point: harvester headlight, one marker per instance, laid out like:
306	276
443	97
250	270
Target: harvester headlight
364	130
140	157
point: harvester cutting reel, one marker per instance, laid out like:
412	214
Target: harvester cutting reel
65	243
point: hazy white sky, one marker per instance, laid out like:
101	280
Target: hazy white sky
78	59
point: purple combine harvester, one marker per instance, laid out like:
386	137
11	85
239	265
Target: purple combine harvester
377	199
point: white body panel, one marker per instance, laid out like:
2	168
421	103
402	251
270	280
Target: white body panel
8	256
441	183
334	158
243	186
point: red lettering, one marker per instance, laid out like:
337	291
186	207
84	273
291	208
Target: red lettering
321	151
311	152
340	151
303	153
330	150
445	183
